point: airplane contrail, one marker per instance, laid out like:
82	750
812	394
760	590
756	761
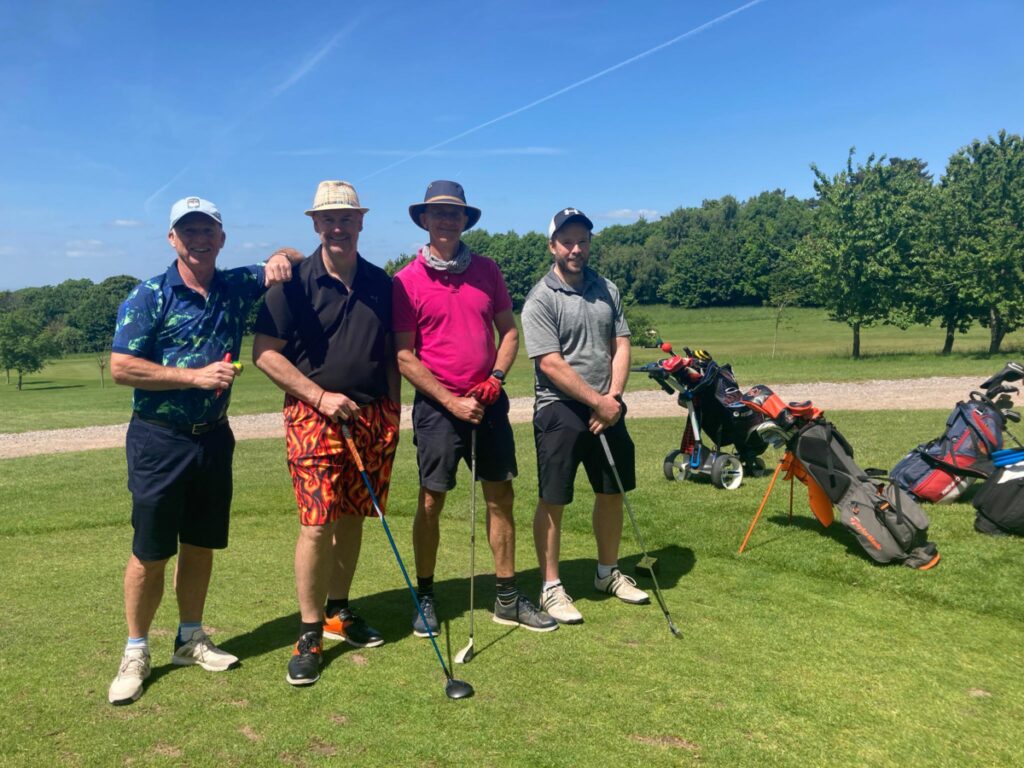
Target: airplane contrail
690	33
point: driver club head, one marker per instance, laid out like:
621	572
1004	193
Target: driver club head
457	689
646	566
1011	416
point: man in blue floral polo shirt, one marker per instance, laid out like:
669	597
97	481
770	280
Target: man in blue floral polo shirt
175	340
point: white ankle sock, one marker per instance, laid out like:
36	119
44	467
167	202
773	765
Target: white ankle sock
549	584
604	571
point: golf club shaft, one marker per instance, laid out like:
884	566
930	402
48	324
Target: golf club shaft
636	530
347	433
472	531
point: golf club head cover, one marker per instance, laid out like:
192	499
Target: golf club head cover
486	392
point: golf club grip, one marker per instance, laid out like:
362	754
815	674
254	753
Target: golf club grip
347	434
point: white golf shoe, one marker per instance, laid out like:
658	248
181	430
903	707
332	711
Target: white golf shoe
555	601
127	686
622	586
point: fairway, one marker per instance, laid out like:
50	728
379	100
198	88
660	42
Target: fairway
800	652
67	393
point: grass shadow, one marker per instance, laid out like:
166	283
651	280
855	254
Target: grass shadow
836	532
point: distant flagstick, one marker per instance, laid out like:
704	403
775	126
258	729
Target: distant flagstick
566	89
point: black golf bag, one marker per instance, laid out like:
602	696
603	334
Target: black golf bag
722	415
941	470
999	503
888	523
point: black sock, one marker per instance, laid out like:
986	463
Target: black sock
311	626
507	590
425	585
334	606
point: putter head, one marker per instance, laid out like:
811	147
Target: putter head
457	689
646	566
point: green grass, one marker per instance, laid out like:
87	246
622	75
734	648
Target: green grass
67	392
800	652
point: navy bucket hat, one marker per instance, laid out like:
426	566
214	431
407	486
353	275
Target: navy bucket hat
443	192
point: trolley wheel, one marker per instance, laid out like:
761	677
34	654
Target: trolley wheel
677	466
726	472
756	467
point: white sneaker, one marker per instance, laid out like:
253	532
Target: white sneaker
622	586
555	601
199	649
127	686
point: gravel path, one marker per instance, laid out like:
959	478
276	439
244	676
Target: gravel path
907	394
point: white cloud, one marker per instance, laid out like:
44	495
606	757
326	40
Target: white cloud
252	246
630	214
7	250
131	223
85	249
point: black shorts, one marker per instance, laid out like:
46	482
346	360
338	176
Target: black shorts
563	439
180	486
442	440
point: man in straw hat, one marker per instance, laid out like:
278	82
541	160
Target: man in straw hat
325	339
577	337
175	337
447	304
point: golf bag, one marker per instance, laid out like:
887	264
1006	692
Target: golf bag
941	470
999	503
887	522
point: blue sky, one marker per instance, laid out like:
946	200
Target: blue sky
114	110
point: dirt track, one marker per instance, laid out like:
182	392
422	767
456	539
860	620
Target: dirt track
909	394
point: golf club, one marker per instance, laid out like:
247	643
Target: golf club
454	689
1011	372
651	564
466	654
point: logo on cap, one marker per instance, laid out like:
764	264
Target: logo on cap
193	202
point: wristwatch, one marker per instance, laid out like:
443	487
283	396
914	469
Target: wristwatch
499	375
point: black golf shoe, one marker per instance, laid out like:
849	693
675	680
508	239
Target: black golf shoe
349	626
304	665
432	627
522	613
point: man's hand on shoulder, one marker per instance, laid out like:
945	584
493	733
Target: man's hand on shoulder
279	266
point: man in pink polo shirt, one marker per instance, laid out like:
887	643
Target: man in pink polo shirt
448	302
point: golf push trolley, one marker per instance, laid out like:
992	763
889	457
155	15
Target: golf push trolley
712	398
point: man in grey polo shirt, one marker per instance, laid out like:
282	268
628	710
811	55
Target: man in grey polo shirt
577	337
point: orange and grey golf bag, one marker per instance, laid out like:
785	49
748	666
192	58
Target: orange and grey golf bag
885	519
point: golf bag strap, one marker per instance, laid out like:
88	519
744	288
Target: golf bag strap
829	464
951	467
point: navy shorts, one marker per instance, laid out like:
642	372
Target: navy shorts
180	486
563	439
442	440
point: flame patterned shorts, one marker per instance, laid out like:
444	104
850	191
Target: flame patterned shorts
324	474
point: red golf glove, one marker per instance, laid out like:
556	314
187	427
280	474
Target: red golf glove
487	391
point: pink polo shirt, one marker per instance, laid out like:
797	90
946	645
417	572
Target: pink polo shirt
453	318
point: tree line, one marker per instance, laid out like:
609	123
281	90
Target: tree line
880	242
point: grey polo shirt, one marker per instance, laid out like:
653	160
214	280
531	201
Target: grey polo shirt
580	324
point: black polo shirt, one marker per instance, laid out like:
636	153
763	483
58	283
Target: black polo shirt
336	337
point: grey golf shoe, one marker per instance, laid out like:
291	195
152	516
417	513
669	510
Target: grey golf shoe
432	627
523	613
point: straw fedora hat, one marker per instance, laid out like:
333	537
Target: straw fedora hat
335	196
